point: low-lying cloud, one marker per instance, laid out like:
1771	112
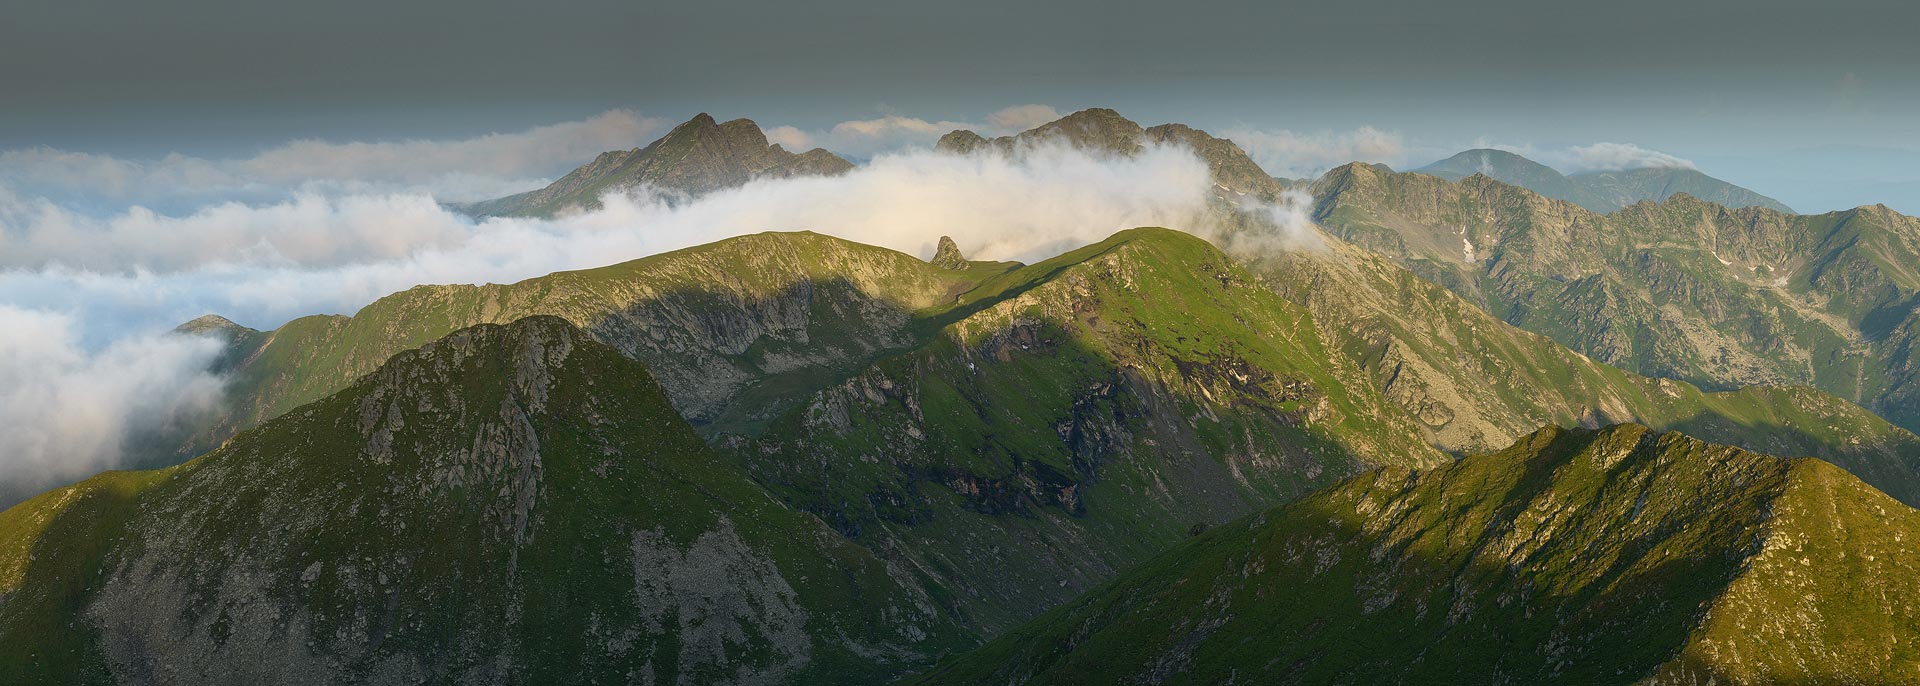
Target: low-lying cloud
864	138
68	410
85	301
1601	157
1305	155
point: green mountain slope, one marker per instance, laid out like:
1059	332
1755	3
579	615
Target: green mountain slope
734	330
699	156
1097	408
1618	556
511	503
1600	192
1683	289
1476	383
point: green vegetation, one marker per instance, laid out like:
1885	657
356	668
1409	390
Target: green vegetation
1092	410
1615	556
511	503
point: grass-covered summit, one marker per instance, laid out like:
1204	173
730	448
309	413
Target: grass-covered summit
511	503
1616	556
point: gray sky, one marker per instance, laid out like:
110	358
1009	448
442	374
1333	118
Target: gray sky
1794	99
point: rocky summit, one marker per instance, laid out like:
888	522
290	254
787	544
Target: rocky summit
699	156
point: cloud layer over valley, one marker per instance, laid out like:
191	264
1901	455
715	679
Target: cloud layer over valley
86	298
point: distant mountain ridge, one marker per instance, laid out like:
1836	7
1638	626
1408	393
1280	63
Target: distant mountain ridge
1683	289
699	156
1104	130
1601	192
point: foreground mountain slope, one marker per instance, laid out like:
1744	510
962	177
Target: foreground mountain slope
511	503
1615	556
1682	289
1475	383
1600	192
1096	409
696	157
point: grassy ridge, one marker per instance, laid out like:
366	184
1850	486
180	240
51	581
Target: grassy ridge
1587	557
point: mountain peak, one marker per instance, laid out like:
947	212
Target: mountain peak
947	255
456	486
211	323
698	156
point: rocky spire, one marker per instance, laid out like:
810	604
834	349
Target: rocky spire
948	256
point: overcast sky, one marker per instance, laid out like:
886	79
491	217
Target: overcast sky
1795	99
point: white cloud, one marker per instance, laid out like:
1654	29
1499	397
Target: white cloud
118	281
1304	155
897	133
794	140
67	411
1613	157
453	170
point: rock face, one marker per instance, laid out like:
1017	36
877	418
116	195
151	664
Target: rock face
510	504
699	156
1104	130
1683	289
947	255
1617	556
1601	192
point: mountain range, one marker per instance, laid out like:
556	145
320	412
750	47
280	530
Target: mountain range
1683	289
1157	458
1599	191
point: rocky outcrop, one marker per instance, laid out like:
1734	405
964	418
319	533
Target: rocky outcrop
947	255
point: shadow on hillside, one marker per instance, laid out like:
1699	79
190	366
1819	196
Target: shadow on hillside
1326	591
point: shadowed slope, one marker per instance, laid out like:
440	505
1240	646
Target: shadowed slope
511	503
1616	556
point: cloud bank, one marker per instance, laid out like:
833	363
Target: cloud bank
84	301
864	138
68	410
1306	155
1601	157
